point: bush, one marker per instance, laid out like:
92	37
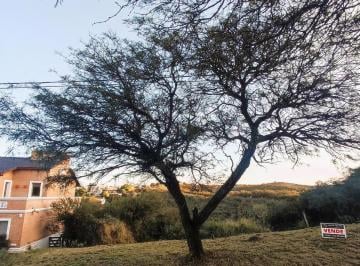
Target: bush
80	221
80	228
81	192
285	215
150	215
254	209
222	228
65	206
114	231
163	225
336	202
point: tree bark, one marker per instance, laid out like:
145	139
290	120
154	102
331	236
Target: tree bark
191	228
194	241
227	186
190	225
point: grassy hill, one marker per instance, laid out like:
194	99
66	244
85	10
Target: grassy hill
246	201
299	247
268	190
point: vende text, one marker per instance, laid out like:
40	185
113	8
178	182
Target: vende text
333	231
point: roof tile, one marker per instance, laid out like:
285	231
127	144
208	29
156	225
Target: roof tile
11	163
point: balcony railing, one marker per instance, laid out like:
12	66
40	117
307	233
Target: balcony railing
26	203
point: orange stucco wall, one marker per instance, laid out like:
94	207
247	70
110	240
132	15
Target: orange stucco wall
31	225
16	225
34	227
5	176
21	182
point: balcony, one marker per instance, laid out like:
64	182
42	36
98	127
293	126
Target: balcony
22	204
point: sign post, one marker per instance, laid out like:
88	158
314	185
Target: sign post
332	230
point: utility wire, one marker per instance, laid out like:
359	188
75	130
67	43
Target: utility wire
58	84
67	84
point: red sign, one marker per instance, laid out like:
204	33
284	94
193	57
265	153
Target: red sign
330	230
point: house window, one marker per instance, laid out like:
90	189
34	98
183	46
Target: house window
7	189
4	228
35	189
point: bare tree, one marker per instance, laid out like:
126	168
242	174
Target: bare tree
128	108
279	78
284	81
282	76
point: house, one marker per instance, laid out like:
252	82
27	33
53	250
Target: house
26	197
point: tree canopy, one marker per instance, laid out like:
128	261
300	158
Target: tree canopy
273	78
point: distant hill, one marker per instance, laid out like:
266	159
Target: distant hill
269	190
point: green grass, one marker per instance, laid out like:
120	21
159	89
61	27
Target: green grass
299	247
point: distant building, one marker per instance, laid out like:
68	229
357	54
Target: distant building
25	199
94	190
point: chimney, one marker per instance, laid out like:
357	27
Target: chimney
36	155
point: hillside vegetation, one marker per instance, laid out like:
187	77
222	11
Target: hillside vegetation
269	190
298	247
149	213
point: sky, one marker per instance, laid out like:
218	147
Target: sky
34	34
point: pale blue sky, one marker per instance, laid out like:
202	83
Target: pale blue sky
32	32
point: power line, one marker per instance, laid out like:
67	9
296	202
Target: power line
62	84
59	84
46	84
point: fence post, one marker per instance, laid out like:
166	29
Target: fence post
305	218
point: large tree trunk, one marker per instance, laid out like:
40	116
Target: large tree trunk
194	241
190	225
191	228
227	186
192	233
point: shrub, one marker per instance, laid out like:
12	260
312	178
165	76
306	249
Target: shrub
113	197
105	194
150	215
81	192
222	228
285	215
254	209
65	206
80	228
163	225
81	224
54	226
114	231
336	202
83	227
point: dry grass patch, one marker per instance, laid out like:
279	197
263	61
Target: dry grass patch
300	247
